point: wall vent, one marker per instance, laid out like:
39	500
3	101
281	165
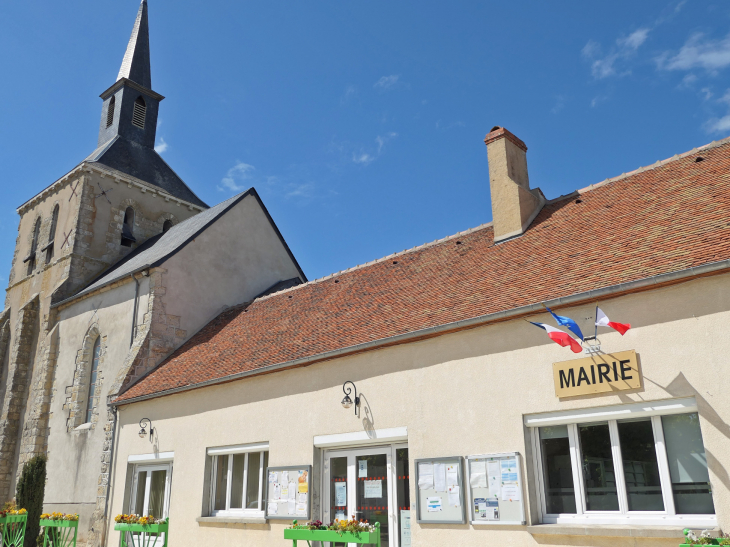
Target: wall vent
140	109
110	111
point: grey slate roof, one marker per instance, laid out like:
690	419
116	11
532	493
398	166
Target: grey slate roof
143	163
136	63
157	249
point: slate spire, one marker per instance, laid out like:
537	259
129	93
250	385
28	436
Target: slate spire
136	63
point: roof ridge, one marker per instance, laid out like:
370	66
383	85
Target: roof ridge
376	261
659	163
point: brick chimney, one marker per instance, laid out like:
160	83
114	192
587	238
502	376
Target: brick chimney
514	205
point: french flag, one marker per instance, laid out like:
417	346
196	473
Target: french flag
602	320
560	337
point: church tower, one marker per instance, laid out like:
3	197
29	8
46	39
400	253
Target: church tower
78	227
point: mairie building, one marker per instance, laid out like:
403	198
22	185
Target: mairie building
173	359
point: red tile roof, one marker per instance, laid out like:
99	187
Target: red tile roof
668	217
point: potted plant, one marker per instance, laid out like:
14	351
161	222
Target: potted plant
59	529
135	530
12	524
340	531
705	538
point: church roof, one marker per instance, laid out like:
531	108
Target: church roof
136	62
143	163
613	237
159	248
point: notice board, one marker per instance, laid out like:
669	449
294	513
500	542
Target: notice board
440	491
289	492
495	488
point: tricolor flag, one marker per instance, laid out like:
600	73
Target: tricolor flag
602	320
567	322
560	337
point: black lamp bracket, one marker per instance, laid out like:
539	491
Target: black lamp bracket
348	390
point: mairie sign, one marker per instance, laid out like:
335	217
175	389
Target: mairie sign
597	374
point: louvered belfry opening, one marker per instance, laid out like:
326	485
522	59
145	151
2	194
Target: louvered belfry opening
110	111
140	109
51	236
31	258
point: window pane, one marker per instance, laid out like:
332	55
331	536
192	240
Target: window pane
138	508
239	461
221	483
252	489
641	471
92	379
557	469
157	494
598	471
687	464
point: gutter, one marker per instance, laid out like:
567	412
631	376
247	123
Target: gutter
610	291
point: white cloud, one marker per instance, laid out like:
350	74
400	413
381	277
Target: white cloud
161	146
235	176
300	190
698	52
604	66
387	82
721	124
598	100
363	157
706	93
634	40
350	91
718	125
559	104
382	140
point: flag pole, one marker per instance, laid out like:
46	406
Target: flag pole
595	323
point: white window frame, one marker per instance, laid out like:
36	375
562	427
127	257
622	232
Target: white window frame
149	468
229	452
652	410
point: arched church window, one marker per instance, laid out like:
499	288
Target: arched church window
31	258
92	378
128	228
51	236
166	225
110	111
140	109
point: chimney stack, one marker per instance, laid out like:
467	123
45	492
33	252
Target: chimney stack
514	205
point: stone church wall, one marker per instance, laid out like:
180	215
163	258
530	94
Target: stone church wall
75	447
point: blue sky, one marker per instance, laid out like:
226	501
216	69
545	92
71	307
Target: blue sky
361	124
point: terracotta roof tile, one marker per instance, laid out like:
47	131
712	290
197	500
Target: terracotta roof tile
671	216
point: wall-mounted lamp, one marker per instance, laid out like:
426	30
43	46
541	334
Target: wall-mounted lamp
347	402
143	431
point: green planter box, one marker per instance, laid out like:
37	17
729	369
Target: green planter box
143	535
13	530
59	533
372	538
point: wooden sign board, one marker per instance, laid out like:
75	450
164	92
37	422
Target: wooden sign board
597	374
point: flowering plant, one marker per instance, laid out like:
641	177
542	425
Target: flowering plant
705	538
340	526
60	516
6	512
136	519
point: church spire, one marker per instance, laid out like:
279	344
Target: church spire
136	63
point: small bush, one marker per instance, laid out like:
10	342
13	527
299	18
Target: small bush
29	495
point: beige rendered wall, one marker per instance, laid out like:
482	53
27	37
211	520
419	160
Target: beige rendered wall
445	390
74	455
235	259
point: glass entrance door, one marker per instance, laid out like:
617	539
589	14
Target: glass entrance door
367	484
150	495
